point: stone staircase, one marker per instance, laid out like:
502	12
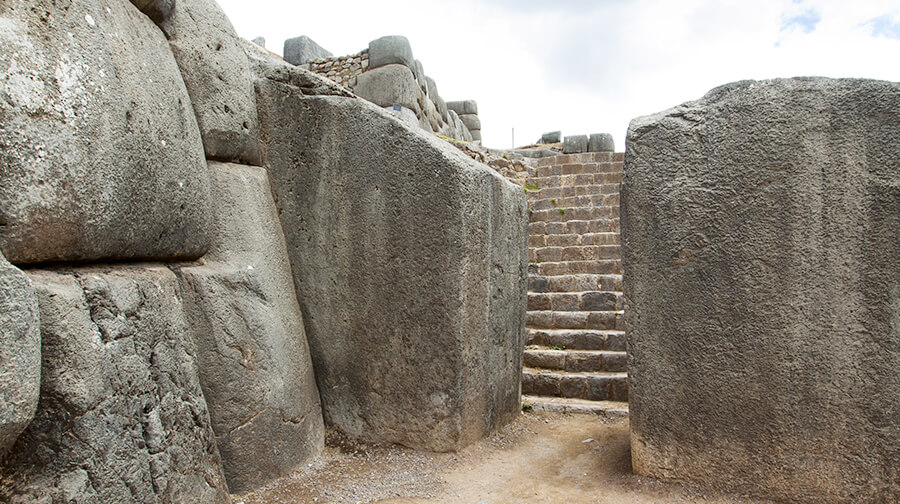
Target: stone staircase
575	357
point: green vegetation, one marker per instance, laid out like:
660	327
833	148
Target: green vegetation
532	187
558	347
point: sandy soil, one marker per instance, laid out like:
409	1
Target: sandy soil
540	458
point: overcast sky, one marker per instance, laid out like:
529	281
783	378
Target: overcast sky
585	66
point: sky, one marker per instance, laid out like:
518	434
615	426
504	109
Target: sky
590	66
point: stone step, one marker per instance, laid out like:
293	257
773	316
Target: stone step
595	267
613	410
549	319
574	283
574	213
574	201
577	339
586	361
572	180
590	386
573	239
576	301
574	227
574	253
536	192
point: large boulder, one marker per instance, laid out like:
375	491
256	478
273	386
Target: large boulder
389	85
761	257
157	10
100	154
217	75
255	367
20	353
463	106
410	265
391	50
122	416
301	50
472	122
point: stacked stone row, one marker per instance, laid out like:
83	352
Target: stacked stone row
576	355
344	69
468	114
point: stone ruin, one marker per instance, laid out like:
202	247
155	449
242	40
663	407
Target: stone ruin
387	74
209	254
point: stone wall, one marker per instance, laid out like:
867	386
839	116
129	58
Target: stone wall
761	248
398	82
158	290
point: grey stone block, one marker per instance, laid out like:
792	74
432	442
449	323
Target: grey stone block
389	85
301	50
761	226
575	144
122	416
601	142
254	360
217	75
20	353
419	72
391	50
102	157
463	107
471	121
410	266
260	41
551	137
476	135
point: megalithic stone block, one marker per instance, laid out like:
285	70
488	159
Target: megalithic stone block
575	144
551	137
601	142
410	265
761	251
101	155
301	50
391	50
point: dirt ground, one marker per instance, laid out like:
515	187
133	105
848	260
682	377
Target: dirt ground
540	458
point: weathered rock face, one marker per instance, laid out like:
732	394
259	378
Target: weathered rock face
157	10
100	154
254	360
762	276
217	75
391	50
388	85
409	262
121	417
20	353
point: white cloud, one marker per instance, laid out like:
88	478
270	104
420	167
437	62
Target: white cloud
586	66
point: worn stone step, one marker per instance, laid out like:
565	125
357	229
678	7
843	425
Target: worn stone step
595	267
613	410
573	283
575	179
574	253
588	361
574	227
536	192
578	339
590	386
561	214
549	319
593	300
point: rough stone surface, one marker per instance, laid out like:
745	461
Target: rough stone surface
260	41
217	75
157	10
254	361
476	135
463	107
575	144
601	142
419	71
410	265
391	50
264	64
100	154
20	353
387	85
301	50
761	251
551	137
435	97
121	416
471	121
